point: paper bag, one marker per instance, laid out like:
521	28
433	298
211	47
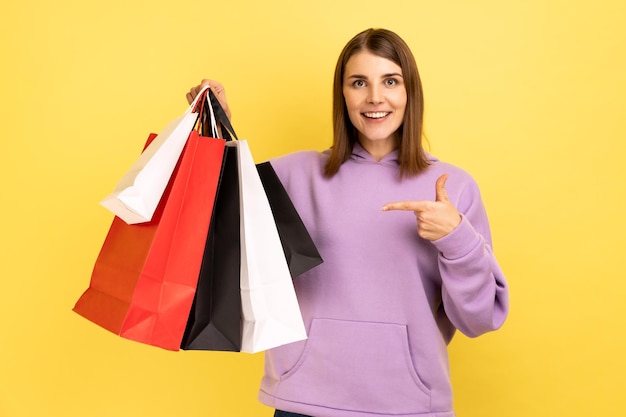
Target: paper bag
270	311
137	194
145	276
215	319
300	251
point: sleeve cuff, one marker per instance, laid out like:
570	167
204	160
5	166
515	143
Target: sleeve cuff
459	242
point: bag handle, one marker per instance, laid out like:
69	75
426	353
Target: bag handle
202	124
220	115
194	103
216	114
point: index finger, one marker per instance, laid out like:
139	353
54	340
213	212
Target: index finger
405	205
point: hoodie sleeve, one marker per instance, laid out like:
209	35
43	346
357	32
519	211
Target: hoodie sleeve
474	290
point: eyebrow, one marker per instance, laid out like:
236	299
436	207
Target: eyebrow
393	74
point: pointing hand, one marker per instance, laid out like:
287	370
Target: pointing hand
435	219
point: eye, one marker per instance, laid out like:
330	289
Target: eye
390	82
358	83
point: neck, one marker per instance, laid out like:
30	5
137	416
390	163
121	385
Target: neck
378	148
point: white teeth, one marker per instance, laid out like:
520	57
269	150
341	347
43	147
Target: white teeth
376	115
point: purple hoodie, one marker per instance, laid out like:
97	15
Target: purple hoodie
385	303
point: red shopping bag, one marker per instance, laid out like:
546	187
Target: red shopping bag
144	279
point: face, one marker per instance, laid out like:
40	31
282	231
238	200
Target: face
376	98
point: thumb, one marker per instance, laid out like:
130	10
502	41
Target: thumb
440	189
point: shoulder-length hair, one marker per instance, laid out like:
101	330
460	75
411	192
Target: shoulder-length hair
386	44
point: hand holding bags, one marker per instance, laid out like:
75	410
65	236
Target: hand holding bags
145	277
234	256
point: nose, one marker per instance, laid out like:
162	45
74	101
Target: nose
374	94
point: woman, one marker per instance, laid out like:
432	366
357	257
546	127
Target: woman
388	298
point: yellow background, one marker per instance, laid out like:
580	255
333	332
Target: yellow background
527	95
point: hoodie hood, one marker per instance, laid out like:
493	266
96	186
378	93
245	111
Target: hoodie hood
392	158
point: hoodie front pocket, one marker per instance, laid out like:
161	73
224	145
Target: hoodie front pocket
357	366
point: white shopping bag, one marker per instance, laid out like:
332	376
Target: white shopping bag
138	193
270	312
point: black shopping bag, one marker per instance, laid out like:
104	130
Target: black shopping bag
215	319
299	249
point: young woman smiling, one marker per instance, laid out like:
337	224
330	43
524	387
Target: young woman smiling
382	308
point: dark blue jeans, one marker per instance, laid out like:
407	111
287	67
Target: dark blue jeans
280	413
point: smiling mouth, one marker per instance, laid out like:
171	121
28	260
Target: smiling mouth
376	115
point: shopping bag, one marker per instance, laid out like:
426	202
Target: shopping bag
270	312
138	193
298	247
215	318
144	279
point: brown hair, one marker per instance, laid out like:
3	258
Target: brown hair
386	44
